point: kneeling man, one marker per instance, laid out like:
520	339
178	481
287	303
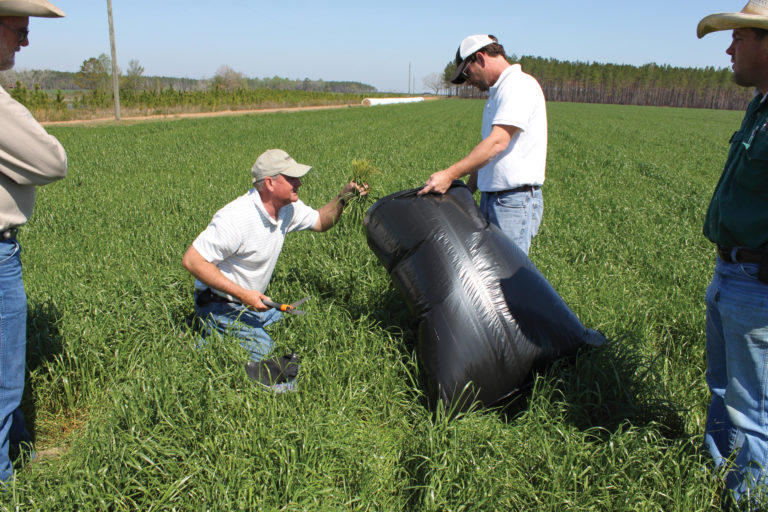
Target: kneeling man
234	257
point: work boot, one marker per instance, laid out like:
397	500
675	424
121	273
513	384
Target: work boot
279	375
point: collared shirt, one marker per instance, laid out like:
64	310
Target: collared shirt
738	213
29	157
516	99
244	241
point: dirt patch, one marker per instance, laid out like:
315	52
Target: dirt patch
184	115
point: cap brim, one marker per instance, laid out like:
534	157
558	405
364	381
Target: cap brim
458	75
728	21
296	171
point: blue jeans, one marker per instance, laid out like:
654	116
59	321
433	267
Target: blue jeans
13	347
230	319
518	214
737	375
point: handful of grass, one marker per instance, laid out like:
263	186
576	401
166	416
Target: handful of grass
363	173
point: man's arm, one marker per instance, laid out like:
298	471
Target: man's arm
331	212
210	274
28	154
484	152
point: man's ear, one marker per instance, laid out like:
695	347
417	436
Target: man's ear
269	183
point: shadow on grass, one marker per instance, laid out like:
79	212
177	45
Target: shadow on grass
606	387
599	387
44	342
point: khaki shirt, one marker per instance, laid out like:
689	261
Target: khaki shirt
29	157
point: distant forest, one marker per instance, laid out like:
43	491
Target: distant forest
650	84
73	81
587	82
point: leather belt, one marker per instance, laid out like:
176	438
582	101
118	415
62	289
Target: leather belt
205	297
521	188
9	233
738	255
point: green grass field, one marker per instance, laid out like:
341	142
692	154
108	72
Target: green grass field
148	422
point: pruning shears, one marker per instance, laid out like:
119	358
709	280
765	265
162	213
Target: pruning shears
287	308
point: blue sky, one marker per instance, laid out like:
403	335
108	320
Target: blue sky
370	42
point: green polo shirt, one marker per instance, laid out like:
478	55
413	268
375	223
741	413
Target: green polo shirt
738	213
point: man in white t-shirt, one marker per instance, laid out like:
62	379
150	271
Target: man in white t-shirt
508	165
234	257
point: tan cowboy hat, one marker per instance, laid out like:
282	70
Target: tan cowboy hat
753	15
37	8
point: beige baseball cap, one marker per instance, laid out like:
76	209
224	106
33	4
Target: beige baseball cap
753	15
276	161
36	8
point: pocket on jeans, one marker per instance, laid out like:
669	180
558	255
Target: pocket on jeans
8	250
513	201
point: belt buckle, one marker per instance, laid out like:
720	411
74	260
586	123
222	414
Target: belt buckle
9	233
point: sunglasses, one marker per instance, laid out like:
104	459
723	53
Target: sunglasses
23	33
470	60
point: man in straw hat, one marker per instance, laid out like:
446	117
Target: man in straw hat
234	257
508	163
737	298
29	157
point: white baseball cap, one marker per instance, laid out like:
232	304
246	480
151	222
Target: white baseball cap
467	48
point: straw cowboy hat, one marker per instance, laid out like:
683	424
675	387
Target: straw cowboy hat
753	15
37	8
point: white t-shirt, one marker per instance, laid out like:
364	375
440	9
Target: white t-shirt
244	241
516	99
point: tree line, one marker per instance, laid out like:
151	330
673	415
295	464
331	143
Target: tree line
651	84
95	74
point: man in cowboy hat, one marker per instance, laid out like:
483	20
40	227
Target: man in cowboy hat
29	157
233	258
737	298
508	164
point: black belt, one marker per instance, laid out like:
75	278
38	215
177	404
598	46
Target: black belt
9	233
207	296
521	188
739	255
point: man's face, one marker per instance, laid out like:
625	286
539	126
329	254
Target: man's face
475	73
10	40
286	189
749	55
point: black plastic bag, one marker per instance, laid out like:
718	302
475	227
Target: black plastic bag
487	317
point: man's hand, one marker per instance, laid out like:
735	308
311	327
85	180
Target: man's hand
254	299
438	183
331	212
353	188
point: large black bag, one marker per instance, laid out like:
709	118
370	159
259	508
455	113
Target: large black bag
487	316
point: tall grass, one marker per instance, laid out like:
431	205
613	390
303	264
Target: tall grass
149	422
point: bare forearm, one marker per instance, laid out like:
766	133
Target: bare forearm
210	274
480	155
330	213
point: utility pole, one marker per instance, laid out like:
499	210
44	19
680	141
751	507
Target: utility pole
409	78
115	78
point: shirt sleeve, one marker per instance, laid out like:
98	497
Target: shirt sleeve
28	154
515	108
218	241
304	217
